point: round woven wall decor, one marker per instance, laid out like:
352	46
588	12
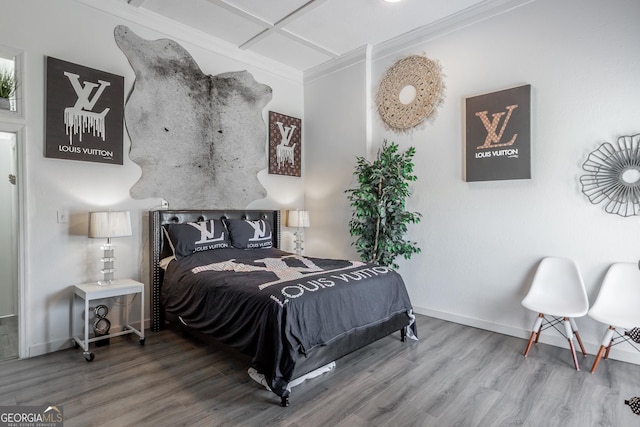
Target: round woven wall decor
419	72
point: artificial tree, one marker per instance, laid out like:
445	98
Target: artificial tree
379	218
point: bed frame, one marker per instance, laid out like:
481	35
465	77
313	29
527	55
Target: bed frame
316	358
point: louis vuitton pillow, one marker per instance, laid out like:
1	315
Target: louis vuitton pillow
191	237
247	234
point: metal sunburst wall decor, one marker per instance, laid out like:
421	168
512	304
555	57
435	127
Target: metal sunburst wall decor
614	176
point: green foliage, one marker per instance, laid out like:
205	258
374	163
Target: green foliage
379	219
7	83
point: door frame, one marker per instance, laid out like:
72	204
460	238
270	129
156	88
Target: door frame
19	131
15	122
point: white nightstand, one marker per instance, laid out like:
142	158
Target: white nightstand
93	291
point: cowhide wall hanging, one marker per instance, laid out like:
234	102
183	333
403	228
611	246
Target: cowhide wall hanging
199	139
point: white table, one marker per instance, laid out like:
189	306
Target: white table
93	291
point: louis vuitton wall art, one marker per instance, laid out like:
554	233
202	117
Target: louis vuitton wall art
498	135
84	113
285	144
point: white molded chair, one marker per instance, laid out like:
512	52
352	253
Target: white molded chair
558	295
617	305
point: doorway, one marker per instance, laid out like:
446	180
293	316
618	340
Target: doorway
9	346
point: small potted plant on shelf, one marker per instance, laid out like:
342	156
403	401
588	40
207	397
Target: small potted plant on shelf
7	87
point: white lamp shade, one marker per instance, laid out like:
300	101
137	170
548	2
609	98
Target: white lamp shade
298	218
109	224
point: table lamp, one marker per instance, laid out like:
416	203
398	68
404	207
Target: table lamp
298	219
109	224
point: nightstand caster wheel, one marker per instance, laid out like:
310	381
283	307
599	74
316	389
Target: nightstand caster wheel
89	356
142	341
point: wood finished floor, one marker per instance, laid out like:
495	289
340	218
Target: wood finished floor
454	376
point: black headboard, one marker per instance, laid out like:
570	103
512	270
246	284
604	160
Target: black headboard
160	248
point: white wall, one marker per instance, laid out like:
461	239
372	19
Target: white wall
482	241
60	255
335	133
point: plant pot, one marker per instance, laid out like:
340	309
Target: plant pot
5	104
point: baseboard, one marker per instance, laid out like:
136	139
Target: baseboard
623	353
617	353
62	344
48	347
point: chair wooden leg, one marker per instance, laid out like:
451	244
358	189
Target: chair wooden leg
606	353
535	333
609	333
574	327
573	353
531	338
598	357
584	352
569	333
539	331
607	341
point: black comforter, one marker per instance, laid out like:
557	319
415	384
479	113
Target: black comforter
274	305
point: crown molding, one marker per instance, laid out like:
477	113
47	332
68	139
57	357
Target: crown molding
360	54
462	19
465	18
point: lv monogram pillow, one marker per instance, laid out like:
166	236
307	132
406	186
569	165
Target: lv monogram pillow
191	237
246	234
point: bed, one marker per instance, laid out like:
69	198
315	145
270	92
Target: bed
221	273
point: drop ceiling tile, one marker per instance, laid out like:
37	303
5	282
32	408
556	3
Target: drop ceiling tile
206	17
283	49
269	11
342	26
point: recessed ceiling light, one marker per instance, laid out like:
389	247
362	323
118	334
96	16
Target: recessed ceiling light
392	1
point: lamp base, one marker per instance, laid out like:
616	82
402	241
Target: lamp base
108	260
298	242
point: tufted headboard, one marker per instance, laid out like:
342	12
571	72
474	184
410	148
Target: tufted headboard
160	248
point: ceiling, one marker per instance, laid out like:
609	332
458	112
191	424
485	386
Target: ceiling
303	34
